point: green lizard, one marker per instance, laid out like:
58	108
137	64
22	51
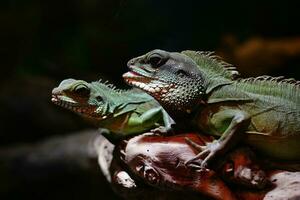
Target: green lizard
201	86
122	112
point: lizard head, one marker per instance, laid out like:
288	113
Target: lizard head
172	78
91	100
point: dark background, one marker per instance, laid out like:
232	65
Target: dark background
43	42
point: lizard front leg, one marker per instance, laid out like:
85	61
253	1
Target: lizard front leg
151	117
239	121
168	122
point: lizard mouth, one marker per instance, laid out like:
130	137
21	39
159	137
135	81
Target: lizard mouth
141	79
84	110
137	74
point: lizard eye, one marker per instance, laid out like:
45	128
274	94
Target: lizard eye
82	90
156	60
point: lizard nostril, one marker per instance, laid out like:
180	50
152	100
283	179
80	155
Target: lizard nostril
130	62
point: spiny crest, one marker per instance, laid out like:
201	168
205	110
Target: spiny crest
270	79
107	85
278	87
111	87
212	64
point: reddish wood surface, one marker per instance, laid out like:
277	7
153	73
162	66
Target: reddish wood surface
159	161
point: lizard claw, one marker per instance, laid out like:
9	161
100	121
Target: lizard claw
194	165
194	144
161	130
198	156
209	153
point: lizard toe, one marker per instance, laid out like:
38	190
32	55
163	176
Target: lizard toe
194	144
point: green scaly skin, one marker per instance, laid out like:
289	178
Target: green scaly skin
122	112
201	86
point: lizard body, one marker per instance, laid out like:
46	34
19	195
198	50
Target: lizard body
122	112
200	86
